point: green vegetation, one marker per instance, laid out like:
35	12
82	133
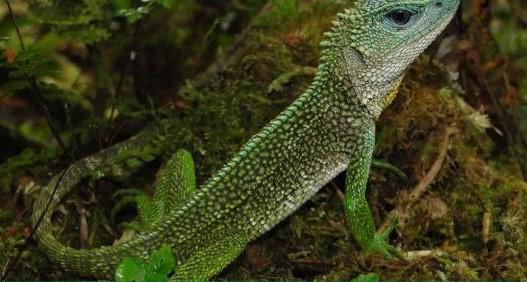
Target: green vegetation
222	69
158	267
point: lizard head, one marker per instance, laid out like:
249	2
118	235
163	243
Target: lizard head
372	44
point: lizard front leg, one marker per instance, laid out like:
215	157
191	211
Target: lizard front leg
358	213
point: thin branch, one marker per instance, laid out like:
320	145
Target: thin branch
21	249
9	267
124	72
513	149
4	270
34	85
425	183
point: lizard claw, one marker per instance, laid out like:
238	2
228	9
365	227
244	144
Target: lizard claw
380	242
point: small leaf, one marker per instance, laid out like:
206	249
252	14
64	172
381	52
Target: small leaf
370	277
130	270
162	261
157	268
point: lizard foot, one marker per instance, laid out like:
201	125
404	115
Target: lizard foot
142	202
380	242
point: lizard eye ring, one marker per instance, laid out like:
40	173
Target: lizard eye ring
400	17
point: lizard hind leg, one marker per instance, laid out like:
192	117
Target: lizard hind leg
176	182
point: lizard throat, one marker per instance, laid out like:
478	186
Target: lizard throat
391	94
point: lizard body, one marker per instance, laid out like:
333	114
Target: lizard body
328	129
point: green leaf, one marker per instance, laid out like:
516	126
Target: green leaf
157	268
162	261
121	4
165	3
134	14
370	277
130	270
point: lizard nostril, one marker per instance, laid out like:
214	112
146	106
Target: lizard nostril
439	4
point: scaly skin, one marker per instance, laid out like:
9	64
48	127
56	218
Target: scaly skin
327	129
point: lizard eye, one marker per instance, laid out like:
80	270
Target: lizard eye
400	17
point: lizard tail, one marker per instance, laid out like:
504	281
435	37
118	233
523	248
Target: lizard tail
100	262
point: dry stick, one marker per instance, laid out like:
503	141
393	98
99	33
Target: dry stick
34	86
423	185
338	192
485	225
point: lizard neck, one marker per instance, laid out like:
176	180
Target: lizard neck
356	87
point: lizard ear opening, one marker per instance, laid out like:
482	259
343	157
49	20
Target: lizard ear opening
354	59
354	64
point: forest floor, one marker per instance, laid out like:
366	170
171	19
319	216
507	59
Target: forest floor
222	70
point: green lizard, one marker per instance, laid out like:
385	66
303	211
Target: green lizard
328	129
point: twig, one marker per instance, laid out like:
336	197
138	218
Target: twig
338	192
423	185
415	255
487	215
35	89
124	72
34	229
502	116
4	269
34	86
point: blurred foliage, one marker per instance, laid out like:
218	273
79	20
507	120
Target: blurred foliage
106	68
508	28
